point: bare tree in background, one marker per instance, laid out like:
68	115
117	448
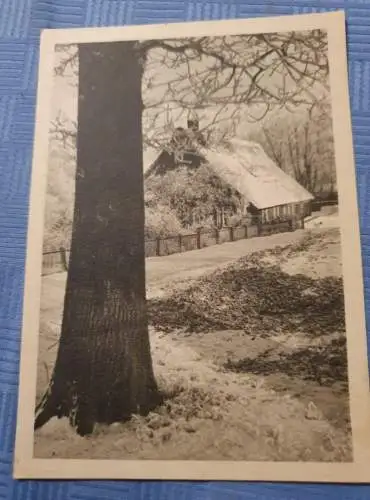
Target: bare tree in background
302	145
103	371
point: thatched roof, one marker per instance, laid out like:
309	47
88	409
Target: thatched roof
246	167
249	170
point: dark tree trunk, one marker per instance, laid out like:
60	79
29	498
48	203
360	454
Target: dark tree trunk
103	371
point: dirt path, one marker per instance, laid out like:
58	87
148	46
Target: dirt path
160	271
192	264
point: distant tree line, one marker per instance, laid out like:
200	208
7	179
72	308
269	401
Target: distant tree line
302	145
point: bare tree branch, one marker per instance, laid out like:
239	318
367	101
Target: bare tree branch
220	77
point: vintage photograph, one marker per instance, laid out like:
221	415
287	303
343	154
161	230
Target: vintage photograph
192	302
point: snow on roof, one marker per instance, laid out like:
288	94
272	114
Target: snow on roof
249	170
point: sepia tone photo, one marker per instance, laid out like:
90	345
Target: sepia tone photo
192	302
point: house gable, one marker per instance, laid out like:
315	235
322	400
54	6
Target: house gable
265	191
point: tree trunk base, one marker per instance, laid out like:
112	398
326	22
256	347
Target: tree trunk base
83	418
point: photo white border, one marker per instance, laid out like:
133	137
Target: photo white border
358	471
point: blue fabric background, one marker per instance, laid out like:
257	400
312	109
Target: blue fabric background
20	24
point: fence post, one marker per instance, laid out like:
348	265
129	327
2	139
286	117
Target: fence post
158	247
63	258
259	228
198	239
302	222
180	242
231	230
246	231
217	236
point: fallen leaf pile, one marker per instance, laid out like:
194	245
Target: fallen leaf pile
254	297
325	365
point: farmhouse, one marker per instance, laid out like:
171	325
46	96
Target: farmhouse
267	193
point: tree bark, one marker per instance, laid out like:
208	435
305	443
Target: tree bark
103	371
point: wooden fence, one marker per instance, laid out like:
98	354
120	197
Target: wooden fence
317	205
57	261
